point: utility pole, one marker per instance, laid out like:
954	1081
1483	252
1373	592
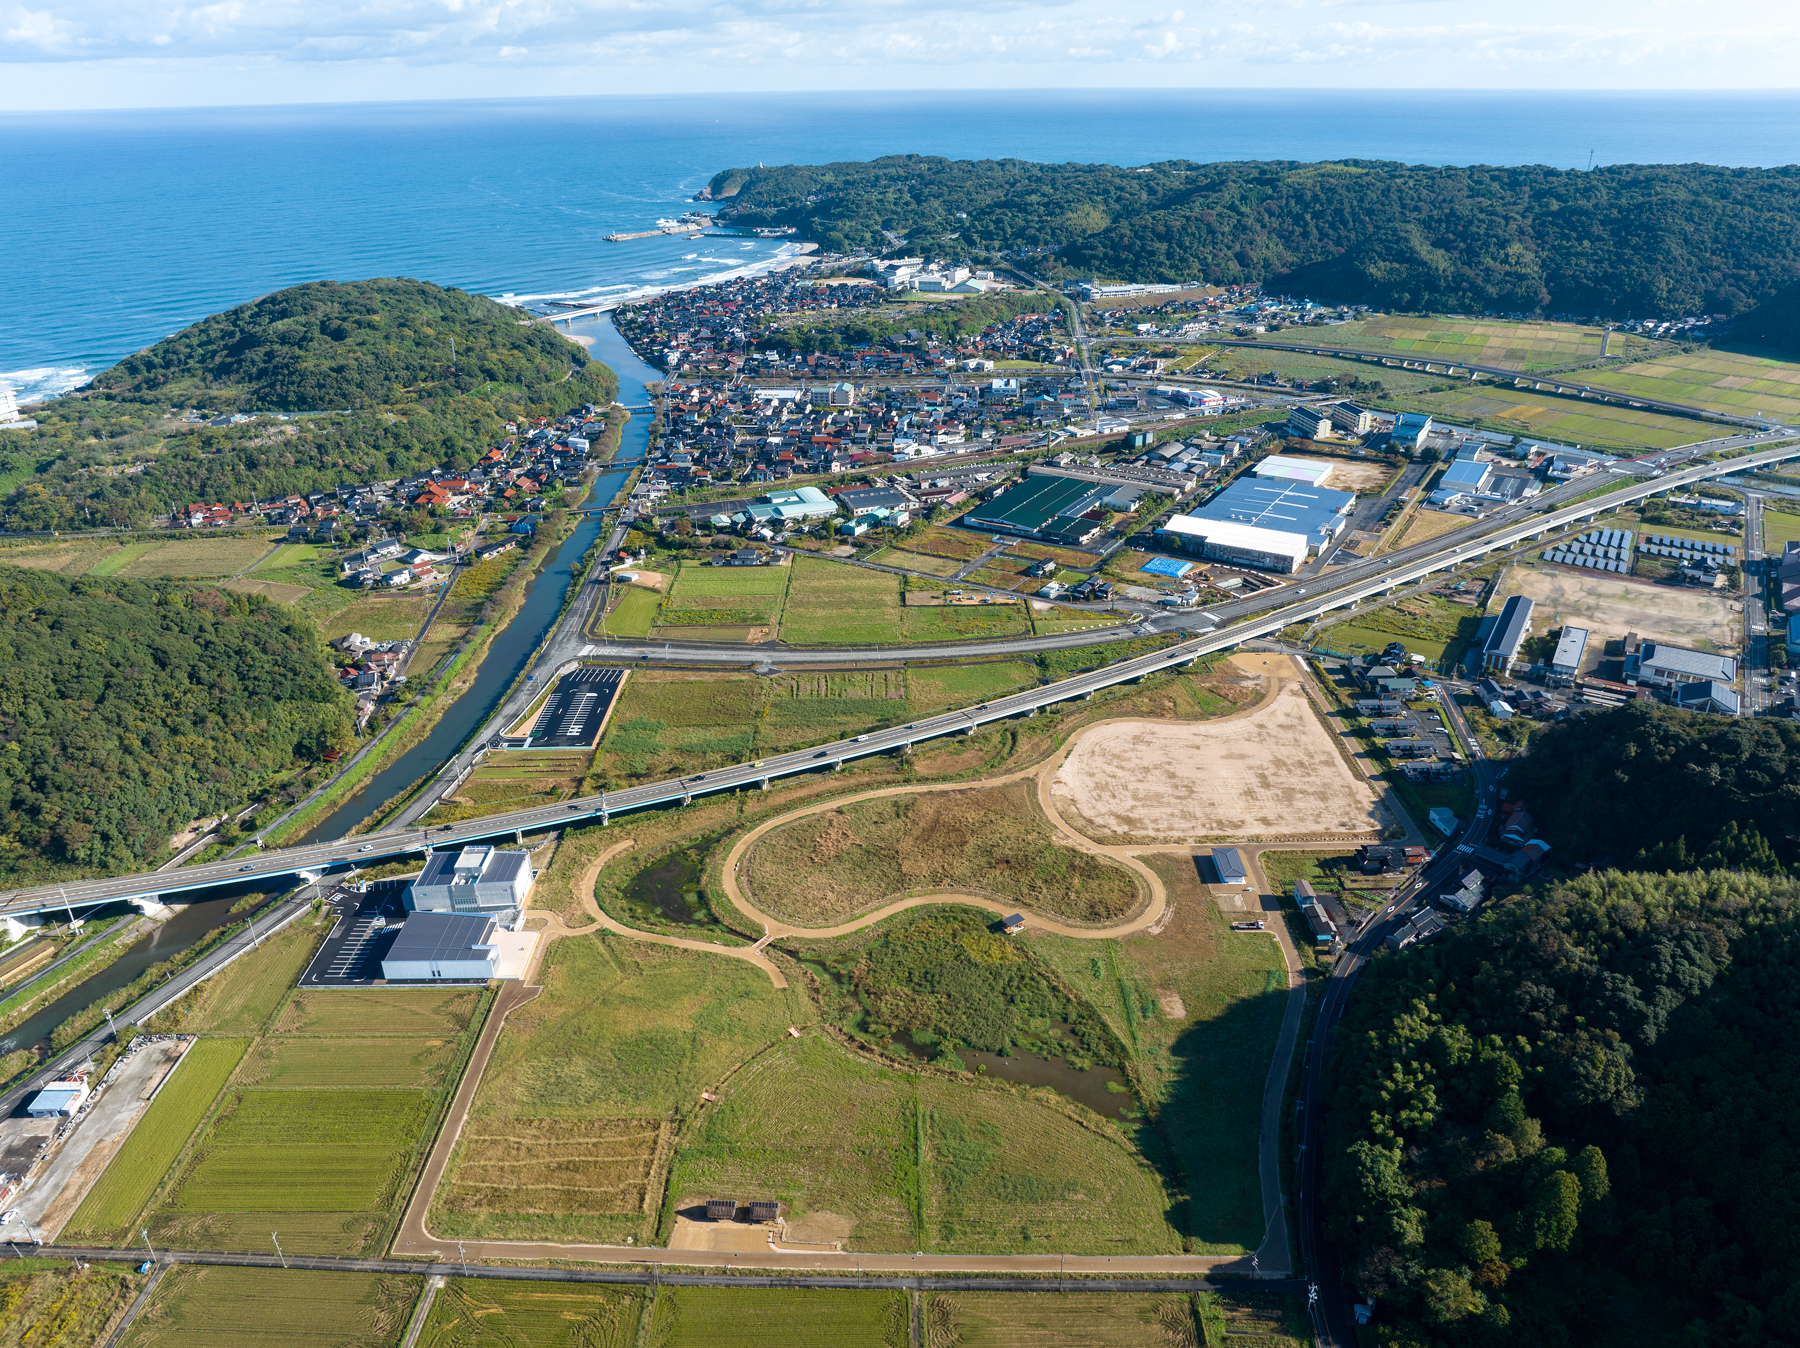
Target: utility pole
144	1231
278	1254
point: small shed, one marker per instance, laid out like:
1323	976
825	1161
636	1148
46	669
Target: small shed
763	1210
1230	866
1013	925
721	1209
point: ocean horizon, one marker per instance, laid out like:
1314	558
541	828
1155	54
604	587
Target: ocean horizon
126	226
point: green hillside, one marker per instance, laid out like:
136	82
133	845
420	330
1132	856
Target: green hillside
393	376
1617	241
1573	1121
130	708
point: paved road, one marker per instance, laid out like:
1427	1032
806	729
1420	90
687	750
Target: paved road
1199	634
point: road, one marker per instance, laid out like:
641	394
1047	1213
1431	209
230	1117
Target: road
645	1277
1199	633
155	1000
1334	1318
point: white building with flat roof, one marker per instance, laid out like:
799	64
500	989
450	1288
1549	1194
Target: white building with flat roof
1238	544
1286	467
431	946
475	880
1571	646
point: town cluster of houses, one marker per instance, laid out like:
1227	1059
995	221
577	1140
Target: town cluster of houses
718	431
720	328
537	457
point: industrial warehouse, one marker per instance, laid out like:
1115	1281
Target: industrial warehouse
1053	509
1272	523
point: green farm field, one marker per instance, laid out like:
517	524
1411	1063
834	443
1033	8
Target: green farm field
304	1151
700	1317
407	1012
1779	528
1237	362
918	561
201	1307
476	1313
916	1162
197	557
674	721
623	1031
368	1063
833	605
379	617
1087	1319
1720	381
1480	341
240	1000
634	613
156	1141
1564	420
724	596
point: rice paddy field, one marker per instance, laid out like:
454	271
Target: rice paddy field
1480	341
833	605
379	617
674	722
203	556
121	1193
706	596
1571	421
473	1313
918	561
516	780
954	543
1071	1319
1720	381
313	1128
701	1317
617	1048
201	1307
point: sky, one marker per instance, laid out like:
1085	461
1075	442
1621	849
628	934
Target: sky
63	54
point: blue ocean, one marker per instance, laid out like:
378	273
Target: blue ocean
122	227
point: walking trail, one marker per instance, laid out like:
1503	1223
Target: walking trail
415	1240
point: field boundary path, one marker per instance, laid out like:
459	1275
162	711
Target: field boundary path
142	1299
414	1234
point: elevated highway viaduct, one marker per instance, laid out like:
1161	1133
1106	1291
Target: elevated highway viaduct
1289	605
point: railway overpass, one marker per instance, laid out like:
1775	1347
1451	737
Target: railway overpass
1298	604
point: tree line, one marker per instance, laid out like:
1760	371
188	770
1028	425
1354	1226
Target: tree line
132	707
1624	240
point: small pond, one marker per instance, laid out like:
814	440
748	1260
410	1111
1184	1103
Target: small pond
1089	1086
670	890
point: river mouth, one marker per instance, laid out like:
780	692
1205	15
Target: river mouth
1102	1089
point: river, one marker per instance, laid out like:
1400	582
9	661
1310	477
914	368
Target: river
505	661
191	924
512	649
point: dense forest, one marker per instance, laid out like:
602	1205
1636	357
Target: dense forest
1653	788
132	707
1618	241
390	377
1576	1121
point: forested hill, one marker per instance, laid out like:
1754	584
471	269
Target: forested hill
130	708
1575	1123
1653	788
1618	241
324	346
399	375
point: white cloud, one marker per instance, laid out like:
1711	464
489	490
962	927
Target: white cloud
292	49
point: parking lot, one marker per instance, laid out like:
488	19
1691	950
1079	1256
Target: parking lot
576	710
366	926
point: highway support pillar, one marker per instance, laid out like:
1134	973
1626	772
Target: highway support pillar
968	730
837	765
605	818
687	798
763	785
1088	696
519	836
151	906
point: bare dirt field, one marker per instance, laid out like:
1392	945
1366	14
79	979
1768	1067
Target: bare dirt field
1271	773
1362	478
1610	606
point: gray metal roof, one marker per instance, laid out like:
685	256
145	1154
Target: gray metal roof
1509	632
441	936
1570	647
1681	660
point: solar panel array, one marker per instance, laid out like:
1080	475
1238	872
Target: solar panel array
1597	550
1686	549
